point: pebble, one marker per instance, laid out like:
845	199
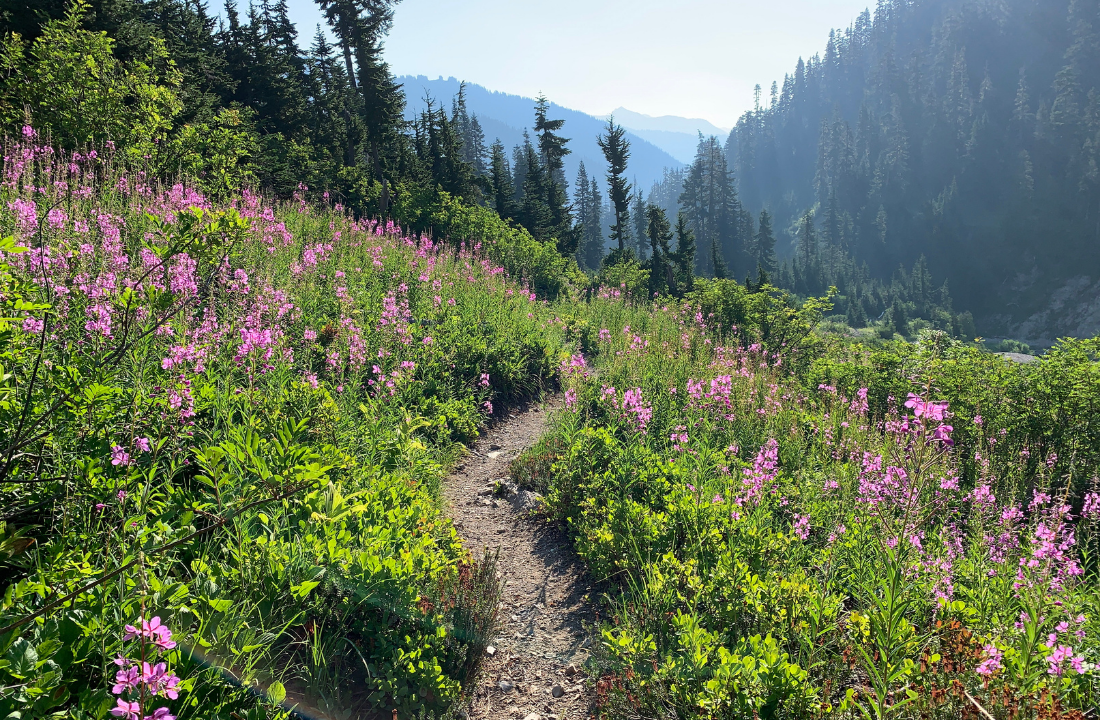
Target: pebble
557	691
490	651
506	687
533	716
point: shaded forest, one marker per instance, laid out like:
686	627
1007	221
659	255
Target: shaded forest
963	132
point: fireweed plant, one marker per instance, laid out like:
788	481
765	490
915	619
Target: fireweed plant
232	418
776	548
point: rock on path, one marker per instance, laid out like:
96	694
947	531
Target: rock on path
544	634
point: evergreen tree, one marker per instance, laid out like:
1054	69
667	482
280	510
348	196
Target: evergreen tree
711	204
503	194
685	254
474	148
662	277
594	242
717	262
519	168
581	210
552	151
765	247
616	150
808	259
641	223
535	213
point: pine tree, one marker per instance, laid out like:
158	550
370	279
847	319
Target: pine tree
470	134
765	247
616	150
581	203
659	233
594	242
519	168
717	261
833	234
535	213
710	202
808	259
641	223
474	147
552	151
501	182
685	254
383	101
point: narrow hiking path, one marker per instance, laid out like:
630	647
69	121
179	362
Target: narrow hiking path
543	637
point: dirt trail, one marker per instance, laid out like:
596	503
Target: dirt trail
546	618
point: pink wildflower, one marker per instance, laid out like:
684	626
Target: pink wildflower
802	526
992	661
119	456
127	710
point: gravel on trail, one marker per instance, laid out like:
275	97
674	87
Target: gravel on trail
534	667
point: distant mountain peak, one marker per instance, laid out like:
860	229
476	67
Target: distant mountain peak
667	123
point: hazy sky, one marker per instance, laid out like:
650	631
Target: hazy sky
693	58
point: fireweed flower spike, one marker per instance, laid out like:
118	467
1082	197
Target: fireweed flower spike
142	680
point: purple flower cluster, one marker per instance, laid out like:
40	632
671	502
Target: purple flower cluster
763	472
139	682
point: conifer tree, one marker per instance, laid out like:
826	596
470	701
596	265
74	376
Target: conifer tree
641	223
616	150
503	194
594	243
711	204
535	213
808	259
717	262
685	254
552	151
519	168
581	202
765	247
659	233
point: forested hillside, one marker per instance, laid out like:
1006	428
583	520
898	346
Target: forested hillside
505	117
963	131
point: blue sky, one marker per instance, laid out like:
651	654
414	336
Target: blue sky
693	58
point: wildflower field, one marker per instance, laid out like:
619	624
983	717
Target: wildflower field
224	427
224	424
792	527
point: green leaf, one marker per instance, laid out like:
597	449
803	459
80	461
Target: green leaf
276	693
301	591
220	605
22	659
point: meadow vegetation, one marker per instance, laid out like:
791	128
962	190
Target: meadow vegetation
793	525
225	424
224	428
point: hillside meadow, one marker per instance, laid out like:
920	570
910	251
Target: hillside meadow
225	422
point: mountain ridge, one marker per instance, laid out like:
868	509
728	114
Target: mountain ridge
506	116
